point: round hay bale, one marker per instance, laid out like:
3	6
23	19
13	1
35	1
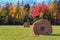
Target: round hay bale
26	24
42	27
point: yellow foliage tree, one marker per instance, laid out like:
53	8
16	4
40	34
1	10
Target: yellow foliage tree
12	12
22	12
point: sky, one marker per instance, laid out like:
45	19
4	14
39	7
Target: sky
3	2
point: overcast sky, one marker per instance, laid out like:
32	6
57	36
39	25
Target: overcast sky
3	2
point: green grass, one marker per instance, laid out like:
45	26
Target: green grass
21	33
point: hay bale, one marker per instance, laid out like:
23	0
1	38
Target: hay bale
42	27
26	24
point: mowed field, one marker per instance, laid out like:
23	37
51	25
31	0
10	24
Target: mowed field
21	33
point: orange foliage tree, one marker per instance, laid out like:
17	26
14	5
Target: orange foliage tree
0	8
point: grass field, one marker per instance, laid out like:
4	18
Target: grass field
21	33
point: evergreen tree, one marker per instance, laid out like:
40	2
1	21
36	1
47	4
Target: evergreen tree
22	2
17	19
17	9
58	5
27	9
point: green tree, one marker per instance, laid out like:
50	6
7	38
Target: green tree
58	5
55	9
4	14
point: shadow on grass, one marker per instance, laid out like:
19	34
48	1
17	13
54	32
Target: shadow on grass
55	35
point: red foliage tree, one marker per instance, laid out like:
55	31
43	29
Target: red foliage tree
59	16
38	9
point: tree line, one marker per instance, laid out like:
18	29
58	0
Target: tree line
18	14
